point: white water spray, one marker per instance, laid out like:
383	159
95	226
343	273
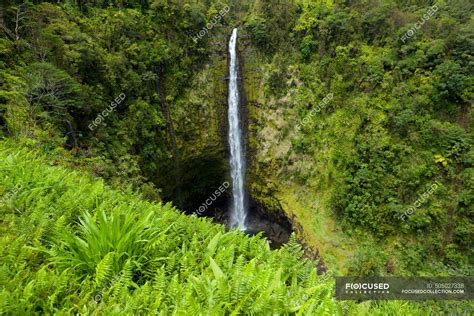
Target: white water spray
237	161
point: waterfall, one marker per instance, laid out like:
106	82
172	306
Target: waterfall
237	160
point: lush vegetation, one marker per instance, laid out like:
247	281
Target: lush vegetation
399	121
70	244
63	65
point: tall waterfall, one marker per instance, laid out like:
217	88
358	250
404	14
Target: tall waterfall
237	160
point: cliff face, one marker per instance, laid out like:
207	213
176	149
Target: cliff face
277	169
307	128
338	147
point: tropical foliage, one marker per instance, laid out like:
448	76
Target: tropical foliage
70	244
400	121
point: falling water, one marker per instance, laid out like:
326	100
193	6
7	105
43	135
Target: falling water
237	161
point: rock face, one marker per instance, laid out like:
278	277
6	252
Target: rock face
205	149
274	225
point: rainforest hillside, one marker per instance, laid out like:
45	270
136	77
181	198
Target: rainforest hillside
70	245
357	127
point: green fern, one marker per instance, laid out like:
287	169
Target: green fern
58	252
104	269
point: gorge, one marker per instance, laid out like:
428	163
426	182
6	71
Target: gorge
314	125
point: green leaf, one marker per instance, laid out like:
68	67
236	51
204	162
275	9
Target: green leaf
217	271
